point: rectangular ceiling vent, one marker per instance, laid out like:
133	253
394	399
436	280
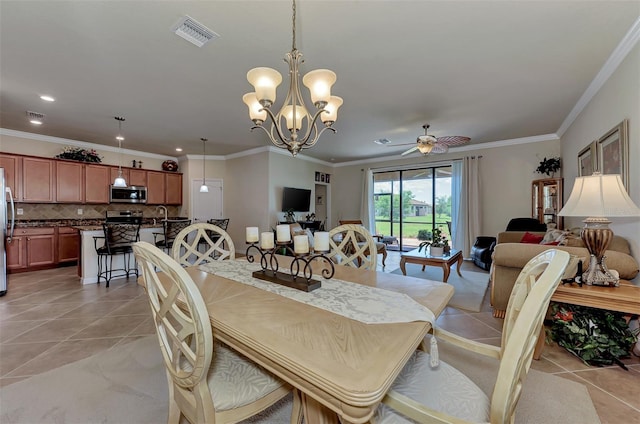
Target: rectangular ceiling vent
193	31
35	116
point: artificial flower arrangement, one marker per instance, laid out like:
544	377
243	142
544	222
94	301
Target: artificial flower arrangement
597	336
80	154
437	240
549	166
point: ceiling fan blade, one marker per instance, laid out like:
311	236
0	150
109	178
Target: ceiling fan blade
411	150
453	140
440	148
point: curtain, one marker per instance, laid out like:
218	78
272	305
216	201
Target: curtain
465	203
367	212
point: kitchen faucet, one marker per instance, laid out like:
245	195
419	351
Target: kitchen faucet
164	208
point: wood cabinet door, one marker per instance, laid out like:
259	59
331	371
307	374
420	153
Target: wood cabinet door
41	250
68	244
96	183
69	182
16	253
155	187
38	180
137	177
12	172
173	193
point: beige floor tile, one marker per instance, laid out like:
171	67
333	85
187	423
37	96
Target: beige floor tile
53	330
5	381
466	326
117	326
11	329
93	309
15	355
614	380
45	311
137	306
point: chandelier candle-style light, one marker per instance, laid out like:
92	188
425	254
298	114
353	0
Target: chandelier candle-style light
119	181
293	127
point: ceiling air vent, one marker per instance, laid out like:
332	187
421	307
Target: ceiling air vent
382	141
35	117
193	31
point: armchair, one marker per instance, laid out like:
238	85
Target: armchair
482	250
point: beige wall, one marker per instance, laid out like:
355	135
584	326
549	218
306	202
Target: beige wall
505	177
618	99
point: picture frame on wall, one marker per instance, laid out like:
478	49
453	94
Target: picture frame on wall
587	160
326	178
613	152
321	178
317	176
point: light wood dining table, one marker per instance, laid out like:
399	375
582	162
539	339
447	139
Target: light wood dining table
341	367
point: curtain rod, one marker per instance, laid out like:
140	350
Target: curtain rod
422	165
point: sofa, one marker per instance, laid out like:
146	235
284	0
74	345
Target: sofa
510	256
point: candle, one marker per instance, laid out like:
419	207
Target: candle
301	244
321	241
266	241
282	232
252	234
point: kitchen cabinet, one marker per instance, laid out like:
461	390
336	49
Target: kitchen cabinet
38	180
12	171
137	177
173	192
32	248
68	244
96	181
155	188
69	182
546	201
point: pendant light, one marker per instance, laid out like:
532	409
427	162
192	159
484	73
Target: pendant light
119	181
203	187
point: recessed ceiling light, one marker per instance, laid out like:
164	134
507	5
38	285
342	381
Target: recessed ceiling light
382	141
47	98
178	149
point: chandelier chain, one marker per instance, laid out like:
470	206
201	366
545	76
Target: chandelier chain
293	26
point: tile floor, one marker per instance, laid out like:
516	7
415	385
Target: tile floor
47	320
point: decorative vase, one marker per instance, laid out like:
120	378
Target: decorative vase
436	251
169	165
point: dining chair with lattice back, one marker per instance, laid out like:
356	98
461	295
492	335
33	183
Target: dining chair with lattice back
346	247
442	394
208	382
381	247
187	246
170	229
117	240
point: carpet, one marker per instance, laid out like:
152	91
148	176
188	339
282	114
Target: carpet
127	384
469	289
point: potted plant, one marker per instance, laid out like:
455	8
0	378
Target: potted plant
549	166
437	245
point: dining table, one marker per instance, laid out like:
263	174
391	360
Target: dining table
340	367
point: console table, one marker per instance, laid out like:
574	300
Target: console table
624	298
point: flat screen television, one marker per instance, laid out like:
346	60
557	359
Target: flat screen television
296	199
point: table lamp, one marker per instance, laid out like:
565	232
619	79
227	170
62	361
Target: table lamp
598	197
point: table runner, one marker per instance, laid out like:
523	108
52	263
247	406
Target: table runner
370	305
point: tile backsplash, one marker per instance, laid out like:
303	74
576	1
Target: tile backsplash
70	211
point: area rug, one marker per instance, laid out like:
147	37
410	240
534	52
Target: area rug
469	289
127	384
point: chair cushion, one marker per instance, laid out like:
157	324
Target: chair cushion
235	381
443	388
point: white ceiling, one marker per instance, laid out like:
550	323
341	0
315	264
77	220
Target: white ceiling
489	70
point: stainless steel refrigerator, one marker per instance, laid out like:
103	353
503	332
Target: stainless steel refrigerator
7	218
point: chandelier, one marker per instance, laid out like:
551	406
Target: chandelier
292	127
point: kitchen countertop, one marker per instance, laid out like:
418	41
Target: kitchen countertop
82	224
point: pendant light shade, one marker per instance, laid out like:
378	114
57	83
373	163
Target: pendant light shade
203	187
119	181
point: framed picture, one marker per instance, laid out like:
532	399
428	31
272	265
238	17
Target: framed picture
587	163
613	152
326	178
317	176
321	178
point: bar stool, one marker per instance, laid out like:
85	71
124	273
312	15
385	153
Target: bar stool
170	229
118	240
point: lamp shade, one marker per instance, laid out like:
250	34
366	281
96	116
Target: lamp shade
319	83
255	108
599	196
265	81
331	114
301	113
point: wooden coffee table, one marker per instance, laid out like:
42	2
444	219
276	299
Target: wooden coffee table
420	258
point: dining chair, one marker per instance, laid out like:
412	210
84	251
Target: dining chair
170	229
117	240
187	245
381	247
208	382
350	244
445	395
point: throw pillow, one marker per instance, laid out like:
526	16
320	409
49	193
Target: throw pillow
531	238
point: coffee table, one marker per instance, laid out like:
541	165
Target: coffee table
424	259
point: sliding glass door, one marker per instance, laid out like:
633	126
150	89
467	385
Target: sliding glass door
409	204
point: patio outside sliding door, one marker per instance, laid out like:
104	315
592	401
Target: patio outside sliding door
409	204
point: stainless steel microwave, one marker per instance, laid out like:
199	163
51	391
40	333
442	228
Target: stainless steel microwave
131	194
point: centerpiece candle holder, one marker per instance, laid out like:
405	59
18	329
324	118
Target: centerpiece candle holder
301	272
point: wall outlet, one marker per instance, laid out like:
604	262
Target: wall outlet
19	211
79	211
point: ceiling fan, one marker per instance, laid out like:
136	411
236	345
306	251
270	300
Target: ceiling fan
427	144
